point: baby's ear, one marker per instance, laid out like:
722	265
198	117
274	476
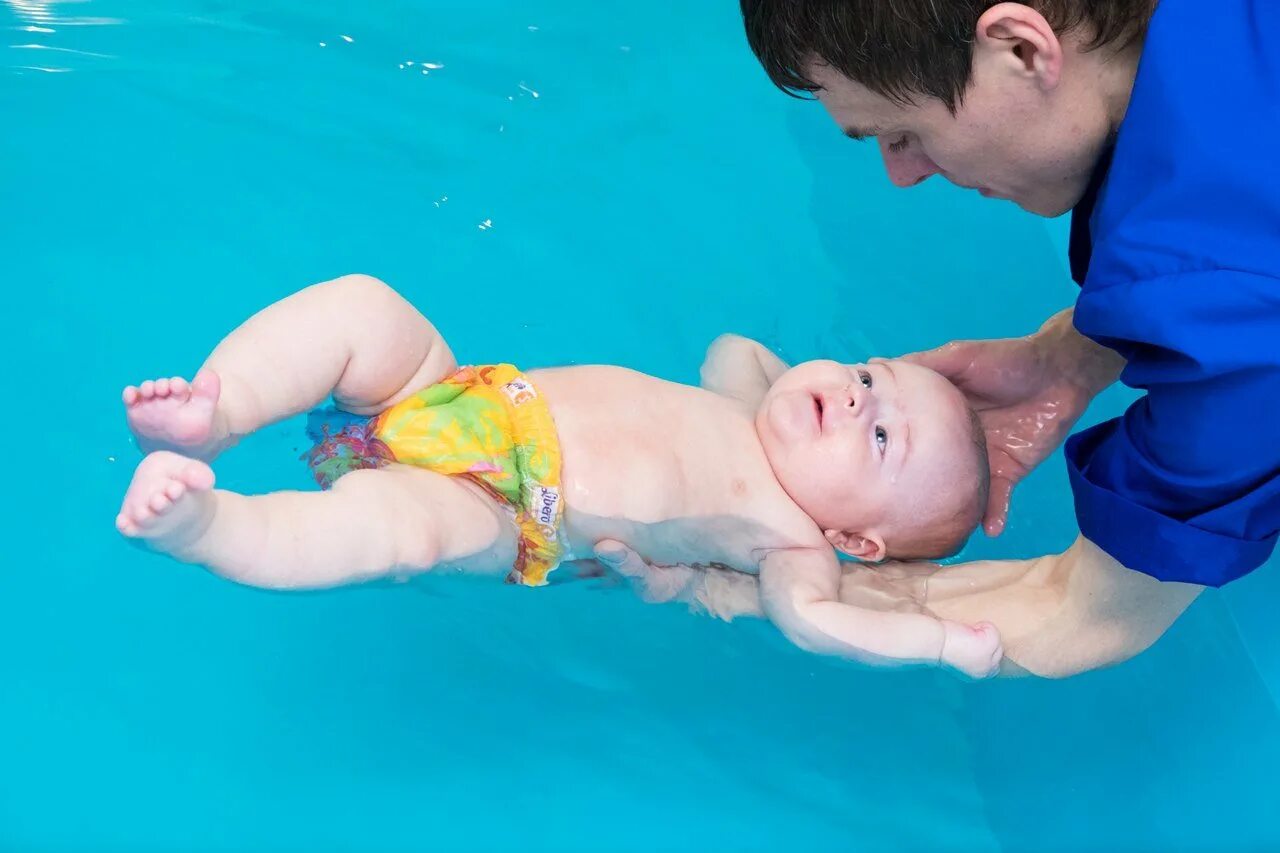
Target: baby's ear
864	546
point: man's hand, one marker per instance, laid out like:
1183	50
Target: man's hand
722	593
1028	393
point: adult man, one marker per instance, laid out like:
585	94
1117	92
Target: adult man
1158	126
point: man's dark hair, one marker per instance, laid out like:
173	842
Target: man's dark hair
904	48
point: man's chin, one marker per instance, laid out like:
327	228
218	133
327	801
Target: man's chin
1042	207
1054	202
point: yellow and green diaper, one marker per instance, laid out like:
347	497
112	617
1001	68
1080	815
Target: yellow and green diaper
486	423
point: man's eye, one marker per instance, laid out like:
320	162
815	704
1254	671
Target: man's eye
864	378
882	438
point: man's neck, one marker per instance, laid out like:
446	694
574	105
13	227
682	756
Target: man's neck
1116	77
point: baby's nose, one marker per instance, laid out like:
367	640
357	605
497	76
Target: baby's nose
859	398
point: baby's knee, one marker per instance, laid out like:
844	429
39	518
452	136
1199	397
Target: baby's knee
374	490
363	293
371	308
387	508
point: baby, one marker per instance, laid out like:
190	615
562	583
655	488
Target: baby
490	470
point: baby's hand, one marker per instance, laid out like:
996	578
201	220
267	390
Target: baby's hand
973	650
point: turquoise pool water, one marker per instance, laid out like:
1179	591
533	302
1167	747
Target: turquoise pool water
623	184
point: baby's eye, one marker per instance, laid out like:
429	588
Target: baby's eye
864	378
882	438
899	144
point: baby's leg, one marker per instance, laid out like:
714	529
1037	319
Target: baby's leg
353	337
371	524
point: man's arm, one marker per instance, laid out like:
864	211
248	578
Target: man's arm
1058	615
740	368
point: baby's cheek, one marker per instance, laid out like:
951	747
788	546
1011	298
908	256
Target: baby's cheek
849	463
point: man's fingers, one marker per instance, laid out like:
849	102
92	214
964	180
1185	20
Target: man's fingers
951	360
997	506
620	558
654	583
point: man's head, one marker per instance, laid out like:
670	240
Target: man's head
885	457
1015	100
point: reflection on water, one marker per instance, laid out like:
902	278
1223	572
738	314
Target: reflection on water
41	20
44	15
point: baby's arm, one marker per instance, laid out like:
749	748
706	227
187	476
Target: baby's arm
740	368
800	591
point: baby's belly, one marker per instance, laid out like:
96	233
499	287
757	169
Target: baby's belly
727	541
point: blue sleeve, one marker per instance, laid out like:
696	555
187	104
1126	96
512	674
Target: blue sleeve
1186	485
1184	281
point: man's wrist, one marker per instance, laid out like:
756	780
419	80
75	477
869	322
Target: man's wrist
1083	362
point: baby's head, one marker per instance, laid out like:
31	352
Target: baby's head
886	457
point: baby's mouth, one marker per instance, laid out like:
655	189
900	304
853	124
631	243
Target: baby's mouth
817	408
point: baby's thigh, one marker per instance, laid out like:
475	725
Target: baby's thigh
439	521
394	351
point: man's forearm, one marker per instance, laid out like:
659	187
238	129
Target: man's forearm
1062	614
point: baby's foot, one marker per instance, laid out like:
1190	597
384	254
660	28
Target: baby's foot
169	502
974	650
170	414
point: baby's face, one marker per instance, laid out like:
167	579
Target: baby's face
863	447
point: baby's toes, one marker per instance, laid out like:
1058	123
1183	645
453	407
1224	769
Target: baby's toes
175	490
131	395
160	503
147	390
197	476
178	387
139	512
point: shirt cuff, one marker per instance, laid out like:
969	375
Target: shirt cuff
1148	541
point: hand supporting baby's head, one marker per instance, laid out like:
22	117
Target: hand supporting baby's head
886	457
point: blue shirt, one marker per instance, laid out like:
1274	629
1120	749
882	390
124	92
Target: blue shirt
1177	248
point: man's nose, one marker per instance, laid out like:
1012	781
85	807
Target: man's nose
908	167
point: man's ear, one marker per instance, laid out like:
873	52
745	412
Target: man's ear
864	546
1018	38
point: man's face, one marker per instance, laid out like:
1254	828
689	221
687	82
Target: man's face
1009	138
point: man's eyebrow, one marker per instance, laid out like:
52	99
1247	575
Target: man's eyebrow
860	133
